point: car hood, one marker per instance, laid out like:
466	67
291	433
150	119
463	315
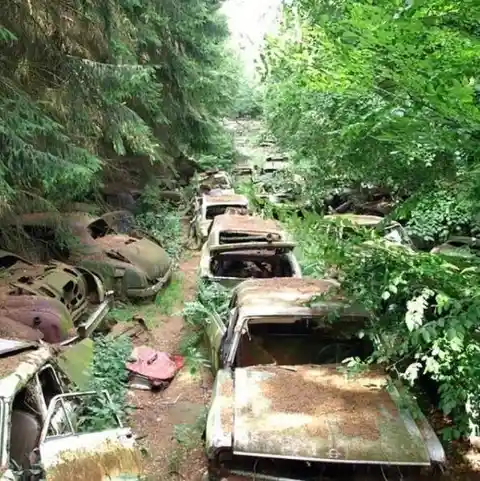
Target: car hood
315	413
142	253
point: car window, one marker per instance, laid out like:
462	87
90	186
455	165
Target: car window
305	341
214	210
99	228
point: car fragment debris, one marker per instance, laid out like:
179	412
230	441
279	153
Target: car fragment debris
151	369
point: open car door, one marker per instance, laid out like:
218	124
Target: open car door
82	439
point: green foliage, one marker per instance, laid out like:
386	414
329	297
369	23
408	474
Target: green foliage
212	300
433	216
86	83
160	219
384	93
424	312
108	372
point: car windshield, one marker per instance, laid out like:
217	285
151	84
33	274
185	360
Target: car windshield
301	341
245	264
214	210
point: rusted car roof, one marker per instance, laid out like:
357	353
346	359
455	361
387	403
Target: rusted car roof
245	223
225	199
363	220
281	290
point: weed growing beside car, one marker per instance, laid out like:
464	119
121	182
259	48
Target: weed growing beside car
108	372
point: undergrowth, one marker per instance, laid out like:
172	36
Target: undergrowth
211	300
108	373
187	437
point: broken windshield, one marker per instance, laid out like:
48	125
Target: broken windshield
305	341
214	210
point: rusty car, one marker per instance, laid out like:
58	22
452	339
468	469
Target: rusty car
213	179
244	173
462	251
132	265
44	433
243	246
391	231
207	207
64	303
283	404
274	164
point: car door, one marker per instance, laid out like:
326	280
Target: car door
110	445
215	332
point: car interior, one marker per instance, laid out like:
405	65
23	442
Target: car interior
260	264
305	341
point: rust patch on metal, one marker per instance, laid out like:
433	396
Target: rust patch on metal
109	461
303	289
329	396
246	223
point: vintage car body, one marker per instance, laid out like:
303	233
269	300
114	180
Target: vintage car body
40	436
275	418
215	179
392	232
461	250
63	302
239	244
208	206
243	173
132	265
274	164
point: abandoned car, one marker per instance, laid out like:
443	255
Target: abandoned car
283	406
243	173
207	207
61	301
214	179
391	231
131	265
45	429
461	250
243	246
274	164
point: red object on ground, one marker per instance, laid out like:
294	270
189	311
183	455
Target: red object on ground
156	366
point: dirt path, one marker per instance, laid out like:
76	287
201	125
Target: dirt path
166	420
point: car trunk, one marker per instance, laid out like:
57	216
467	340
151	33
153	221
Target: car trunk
107	455
142	253
314	413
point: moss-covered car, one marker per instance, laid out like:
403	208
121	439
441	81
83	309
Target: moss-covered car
462	251
63	302
391	231
132	265
284	407
44	429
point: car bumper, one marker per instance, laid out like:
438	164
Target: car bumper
152	290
